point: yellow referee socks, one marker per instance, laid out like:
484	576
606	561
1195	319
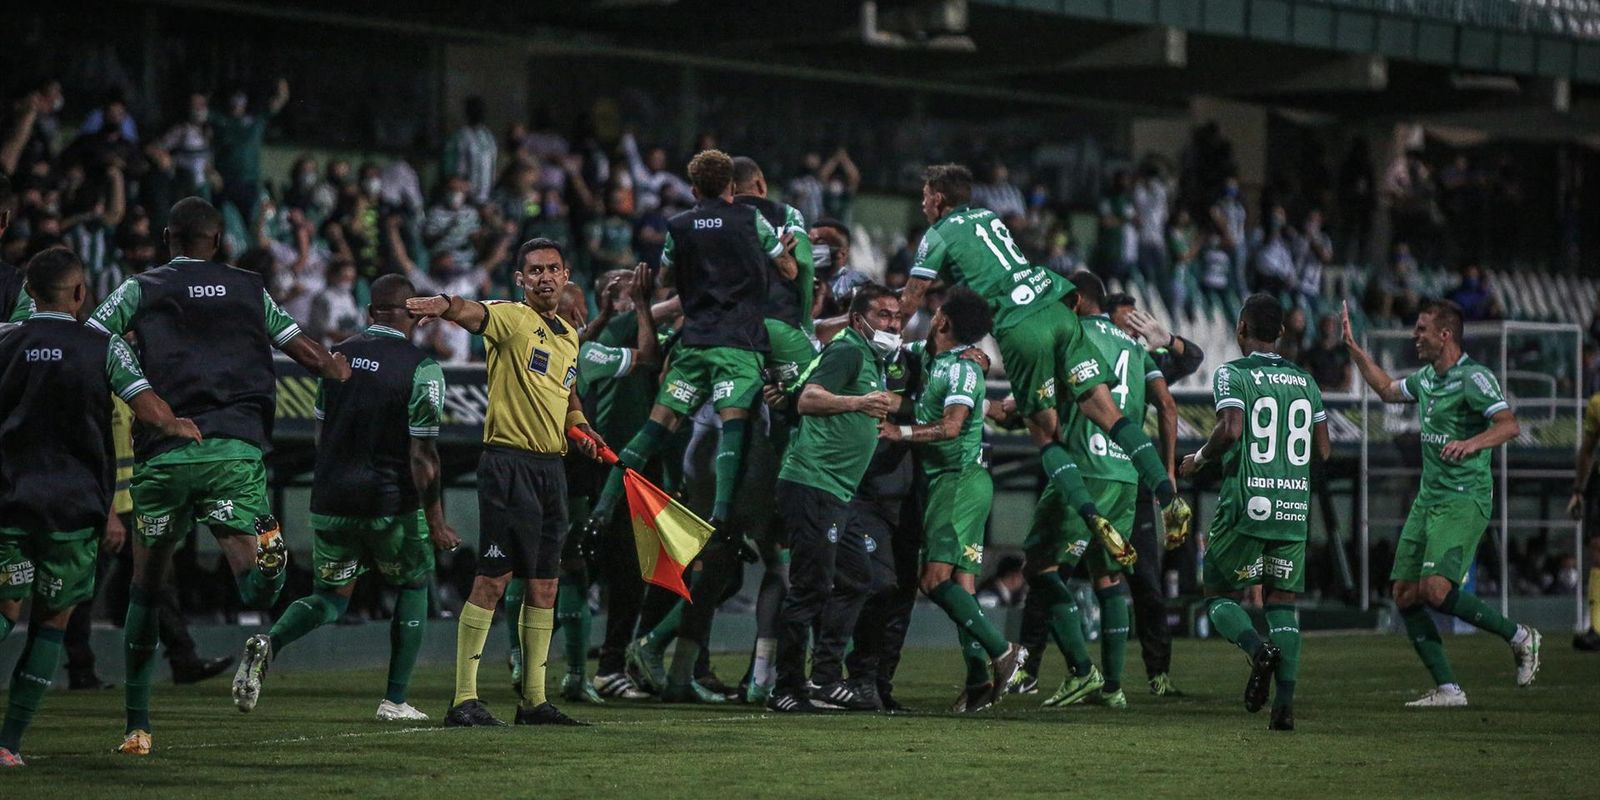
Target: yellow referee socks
471	633
537	626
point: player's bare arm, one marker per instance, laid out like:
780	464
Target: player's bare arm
948	427
469	314
816	401
590	442
425	476
1386	387
1503	428
308	353
911	296
149	408
1230	425
646	348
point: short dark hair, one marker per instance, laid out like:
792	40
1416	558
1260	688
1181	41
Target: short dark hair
865	294
50	270
390	292
833	225
532	245
1262	316
951	180
745	170
1117	300
1446	313
1089	287
970	316
710	171
194	220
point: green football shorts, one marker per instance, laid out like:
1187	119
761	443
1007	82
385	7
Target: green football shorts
168	500
345	547
731	376
1060	536
1235	561
958	509
1046	347
792	350
57	569
1439	538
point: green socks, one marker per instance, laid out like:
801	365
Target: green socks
139	632
975	658
666	630
730	457
256	591
305	615
684	657
639	451
1233	624
1065	626
5	627
1469	608
1113	633
1060	470
405	639
964	611
573	618
1283	628
1142	452
1424	637
35	668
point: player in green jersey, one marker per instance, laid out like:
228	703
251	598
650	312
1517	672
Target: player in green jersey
1041	342
1464	417
1270	424
1060	539
949	436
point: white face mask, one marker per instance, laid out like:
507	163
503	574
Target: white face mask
886	344
372	186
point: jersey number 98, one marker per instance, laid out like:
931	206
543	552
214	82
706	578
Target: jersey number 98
1264	430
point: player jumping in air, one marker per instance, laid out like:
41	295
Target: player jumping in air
375	499
1464	417
1270	424
1041	341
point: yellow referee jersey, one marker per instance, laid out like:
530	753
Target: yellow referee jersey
1591	416
532	366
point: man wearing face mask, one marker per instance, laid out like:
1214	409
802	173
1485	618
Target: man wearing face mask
842	398
189	143
237	137
830	258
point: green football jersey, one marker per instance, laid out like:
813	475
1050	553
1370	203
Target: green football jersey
1455	406
832	452
1266	484
972	247
950	380
618	403
1096	455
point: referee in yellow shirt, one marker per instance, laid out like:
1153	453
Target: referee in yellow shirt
1589	639
522	486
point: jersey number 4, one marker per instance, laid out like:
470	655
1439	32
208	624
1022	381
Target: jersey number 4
1264	430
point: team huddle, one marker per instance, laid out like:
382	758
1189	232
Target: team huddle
848	462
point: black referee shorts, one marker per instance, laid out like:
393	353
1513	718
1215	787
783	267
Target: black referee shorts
522	513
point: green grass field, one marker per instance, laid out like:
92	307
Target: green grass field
313	735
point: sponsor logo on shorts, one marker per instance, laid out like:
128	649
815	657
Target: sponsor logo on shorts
18	574
339	570
1260	508
221	511
154	526
972	552
1280	568
1083	371
1078	548
1250	572
721	390
683	392
539	362
49	587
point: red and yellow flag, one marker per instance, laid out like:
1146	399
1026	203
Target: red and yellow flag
666	534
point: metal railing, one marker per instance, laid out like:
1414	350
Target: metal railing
1561	17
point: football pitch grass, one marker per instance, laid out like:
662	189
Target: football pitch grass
313	735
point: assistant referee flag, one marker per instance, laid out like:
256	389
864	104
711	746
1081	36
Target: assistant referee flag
666	533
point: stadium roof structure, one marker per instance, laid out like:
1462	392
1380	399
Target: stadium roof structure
1345	58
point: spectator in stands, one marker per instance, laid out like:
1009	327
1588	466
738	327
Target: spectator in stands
1392	294
111	115
804	191
609	239
653	185
997	194
89	228
236	141
830	255
1272	253
899	267
1414	212
1475	296
471	152
1327	359
1313	250
1150	204
1116	247
1292	339
519	199
335	314
1183	244
304	182
34	130
649	235
1356	200
840	182
353	233
189	145
400	190
1229	217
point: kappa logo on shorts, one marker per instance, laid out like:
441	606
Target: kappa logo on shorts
1259	508
539	362
221	511
494	552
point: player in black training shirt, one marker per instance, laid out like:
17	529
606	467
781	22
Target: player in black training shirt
56	469
375	496
205	334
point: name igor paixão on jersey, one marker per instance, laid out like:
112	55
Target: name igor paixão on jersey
1282	484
